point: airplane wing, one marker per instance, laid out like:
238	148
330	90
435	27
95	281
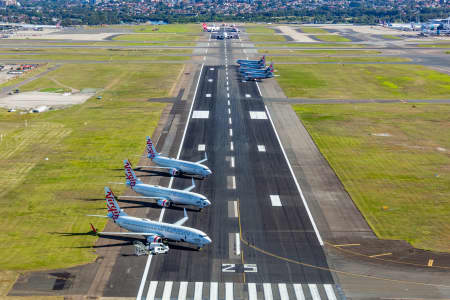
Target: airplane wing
203	160
190	188
128	233
183	220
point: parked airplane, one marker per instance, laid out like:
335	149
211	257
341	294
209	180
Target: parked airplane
255	70
153	231
210	28
164	196
176	166
261	61
258	76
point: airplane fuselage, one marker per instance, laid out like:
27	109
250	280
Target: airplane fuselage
164	230
174	195
183	166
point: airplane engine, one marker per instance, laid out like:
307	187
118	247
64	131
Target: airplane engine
164	203
174	172
154	239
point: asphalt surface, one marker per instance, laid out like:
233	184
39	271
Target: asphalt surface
284	231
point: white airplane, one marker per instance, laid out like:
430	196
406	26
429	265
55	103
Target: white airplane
153	231
175	166
164	197
210	28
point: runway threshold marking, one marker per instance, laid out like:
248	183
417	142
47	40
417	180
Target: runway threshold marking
198	291
182	292
152	290
430	262
299	291
267	291
381	254
252	294
329	291
314	291
282	288
161	216
229	291
167	290
214	291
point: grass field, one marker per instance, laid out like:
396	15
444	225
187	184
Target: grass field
55	57
321	52
332	38
94	51
169	28
394	161
259	29
158	37
54	165
392	37
266	38
443	45
313	30
353	59
309	45
335	81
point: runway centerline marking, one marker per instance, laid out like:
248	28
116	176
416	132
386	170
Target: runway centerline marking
232	162
231	146
275	199
201	147
231	132
229	121
238	244
161	216
229	111
231	182
261	148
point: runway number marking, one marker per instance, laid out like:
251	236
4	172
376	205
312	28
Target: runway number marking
239	268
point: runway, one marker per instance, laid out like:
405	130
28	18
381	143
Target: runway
255	201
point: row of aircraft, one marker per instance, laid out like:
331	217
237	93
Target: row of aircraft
156	233
255	69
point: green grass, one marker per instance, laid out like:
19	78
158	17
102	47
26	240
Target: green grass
55	90
266	38
259	29
321	52
309	45
96	51
313	30
169	28
443	45
401	182
158	37
44	201
343	59
80	57
391	37
332	38
361	81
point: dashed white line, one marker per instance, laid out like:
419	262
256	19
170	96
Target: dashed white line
231	146
229	111
261	148
228	95
227	82
231	132
238	245
228	89
229	121
229	103
232	162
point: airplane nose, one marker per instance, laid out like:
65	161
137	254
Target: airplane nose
208	172
208	240
206	203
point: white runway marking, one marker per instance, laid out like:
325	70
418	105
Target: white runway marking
228	95
229	291
283	291
198	291
267	291
152	290
204	57
252	295
231	182
211	69
248	96
235	206
314	291
229	111
231	132
296	182
229	103
228	89
200	114
210	80
227	82
329	291
167	290
201	147
229	121
208	95
275	199
238	244
258	115
182	291
232	162
299	292
231	146
261	148
214	291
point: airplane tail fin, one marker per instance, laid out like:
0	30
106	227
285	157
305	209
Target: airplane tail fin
114	210
151	150
129	174
271	67
264	59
